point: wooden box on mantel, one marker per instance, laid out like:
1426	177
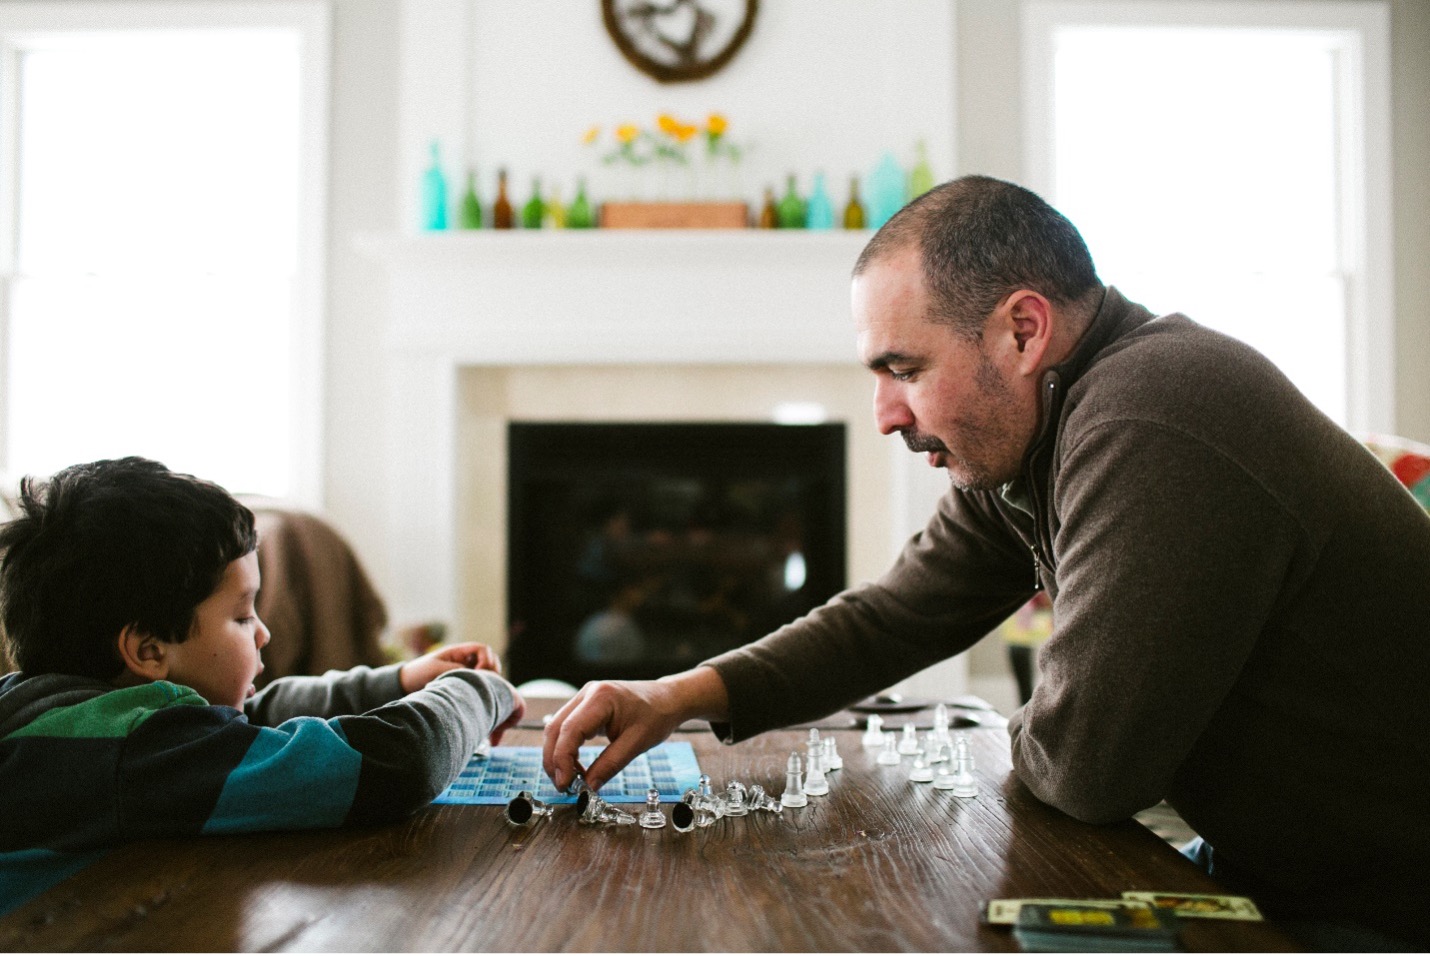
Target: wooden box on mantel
674	215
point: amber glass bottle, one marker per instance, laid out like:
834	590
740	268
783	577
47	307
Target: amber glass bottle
503	216
854	212
769	213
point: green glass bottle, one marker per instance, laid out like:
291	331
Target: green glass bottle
471	213
854	211
921	176
578	214
791	208
534	210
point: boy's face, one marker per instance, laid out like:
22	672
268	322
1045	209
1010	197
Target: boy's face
220	659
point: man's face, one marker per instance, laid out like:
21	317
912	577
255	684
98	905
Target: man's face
955	399
220	659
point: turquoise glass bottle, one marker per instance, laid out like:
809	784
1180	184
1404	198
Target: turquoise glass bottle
820	214
434	193
887	191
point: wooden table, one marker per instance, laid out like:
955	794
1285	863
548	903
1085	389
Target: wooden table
880	864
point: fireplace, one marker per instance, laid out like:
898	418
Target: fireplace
640	549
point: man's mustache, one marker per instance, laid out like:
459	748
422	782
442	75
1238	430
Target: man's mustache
921	443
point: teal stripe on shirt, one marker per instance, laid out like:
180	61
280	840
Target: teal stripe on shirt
25	874
301	774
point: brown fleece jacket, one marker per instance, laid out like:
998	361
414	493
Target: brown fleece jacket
1241	597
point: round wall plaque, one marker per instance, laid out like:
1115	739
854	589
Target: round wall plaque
679	40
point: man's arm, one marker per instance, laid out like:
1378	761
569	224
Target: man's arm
954	582
635	715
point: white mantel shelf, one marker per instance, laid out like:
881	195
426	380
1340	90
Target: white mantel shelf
619	296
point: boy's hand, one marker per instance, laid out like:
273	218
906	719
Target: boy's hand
417	674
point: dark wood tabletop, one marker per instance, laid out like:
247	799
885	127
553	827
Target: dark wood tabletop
880	864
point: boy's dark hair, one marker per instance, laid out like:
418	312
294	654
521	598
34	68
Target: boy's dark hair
980	239
107	544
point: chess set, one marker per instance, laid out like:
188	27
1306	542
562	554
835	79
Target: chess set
495	779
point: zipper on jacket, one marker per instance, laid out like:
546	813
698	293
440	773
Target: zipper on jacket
1037	568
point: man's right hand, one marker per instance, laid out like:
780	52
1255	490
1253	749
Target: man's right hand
634	715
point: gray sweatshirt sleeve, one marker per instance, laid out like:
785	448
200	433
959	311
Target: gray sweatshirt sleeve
332	695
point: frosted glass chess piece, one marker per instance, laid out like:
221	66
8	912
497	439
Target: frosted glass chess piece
944	779
922	771
940	724
815	783
964	783
813	738
592	810
758	799
889	755
653	818
794	785
484	749
735	805
524	808
874	732
909	742
832	760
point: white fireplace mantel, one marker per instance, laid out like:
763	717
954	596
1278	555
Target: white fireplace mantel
509	299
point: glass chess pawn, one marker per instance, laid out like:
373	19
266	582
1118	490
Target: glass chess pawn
794	784
524	808
653	817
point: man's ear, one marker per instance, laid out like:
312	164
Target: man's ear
1030	319
145	657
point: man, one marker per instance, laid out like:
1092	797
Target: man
1241	592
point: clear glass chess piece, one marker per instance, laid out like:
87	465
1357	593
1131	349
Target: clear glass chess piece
735	805
832	760
708	810
794	785
874	732
592	810
964	783
940	723
889	755
758	799
653	818
702	788
909	742
815	783
524	808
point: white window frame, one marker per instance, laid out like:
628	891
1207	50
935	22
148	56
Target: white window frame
25	24
1362	29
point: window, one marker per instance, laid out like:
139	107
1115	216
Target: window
1230	162
162	288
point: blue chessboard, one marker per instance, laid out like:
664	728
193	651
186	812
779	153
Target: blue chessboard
670	767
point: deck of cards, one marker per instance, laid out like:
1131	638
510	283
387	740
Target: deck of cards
1139	922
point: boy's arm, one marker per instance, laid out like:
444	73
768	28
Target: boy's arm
193	770
331	695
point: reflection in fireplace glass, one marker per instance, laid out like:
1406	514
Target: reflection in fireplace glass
636	550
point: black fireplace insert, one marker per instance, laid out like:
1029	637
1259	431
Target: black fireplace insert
637	550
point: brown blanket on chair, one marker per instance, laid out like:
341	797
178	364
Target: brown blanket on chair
316	598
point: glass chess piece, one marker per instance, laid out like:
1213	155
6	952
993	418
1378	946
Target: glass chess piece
889	754
682	817
735	805
702	788
964	783
909	742
813	738
794	786
874	732
815	783
592	810
758	799
707	810
653	817
945	778
832	760
941	724
524	808
922	771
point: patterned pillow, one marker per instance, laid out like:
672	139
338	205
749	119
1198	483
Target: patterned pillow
1409	461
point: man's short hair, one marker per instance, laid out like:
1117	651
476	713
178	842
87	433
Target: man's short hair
980	239
104	545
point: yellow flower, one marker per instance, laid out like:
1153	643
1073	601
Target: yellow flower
716	124
591	135
627	132
668	124
684	132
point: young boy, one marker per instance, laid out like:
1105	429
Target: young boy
127	603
